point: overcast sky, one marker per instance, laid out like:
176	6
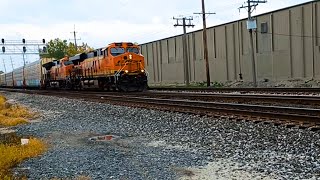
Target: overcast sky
99	22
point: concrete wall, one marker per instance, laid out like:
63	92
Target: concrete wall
290	49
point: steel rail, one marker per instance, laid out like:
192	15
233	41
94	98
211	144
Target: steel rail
279	112
292	99
298	99
225	89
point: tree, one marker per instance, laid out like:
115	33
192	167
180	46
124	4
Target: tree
72	50
58	49
1	72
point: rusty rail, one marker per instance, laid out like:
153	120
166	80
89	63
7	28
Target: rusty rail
291	113
224	89
307	116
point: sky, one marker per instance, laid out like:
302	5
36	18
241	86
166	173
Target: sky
100	22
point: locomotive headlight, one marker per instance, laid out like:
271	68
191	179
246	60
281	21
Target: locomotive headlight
142	70
126	71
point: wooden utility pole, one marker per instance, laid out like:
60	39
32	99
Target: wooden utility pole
252	4
75	37
205	44
185	48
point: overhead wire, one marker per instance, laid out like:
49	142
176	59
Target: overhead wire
289	35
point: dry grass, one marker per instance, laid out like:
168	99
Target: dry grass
8	121
13	114
11	155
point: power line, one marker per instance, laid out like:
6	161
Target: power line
289	35
185	50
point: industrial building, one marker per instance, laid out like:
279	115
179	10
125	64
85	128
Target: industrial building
286	46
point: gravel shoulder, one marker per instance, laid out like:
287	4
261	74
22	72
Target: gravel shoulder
160	145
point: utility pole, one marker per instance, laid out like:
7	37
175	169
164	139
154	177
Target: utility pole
185	48
12	72
5	71
205	44
4	65
24	49
251	24
75	37
11	63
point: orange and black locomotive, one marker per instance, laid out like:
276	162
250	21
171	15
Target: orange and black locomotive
119	66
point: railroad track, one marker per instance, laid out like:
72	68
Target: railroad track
278	115
241	98
242	90
289	116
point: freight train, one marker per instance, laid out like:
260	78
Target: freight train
117	67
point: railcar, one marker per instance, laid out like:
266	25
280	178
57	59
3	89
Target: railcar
23	77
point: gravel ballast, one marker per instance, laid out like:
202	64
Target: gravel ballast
152	144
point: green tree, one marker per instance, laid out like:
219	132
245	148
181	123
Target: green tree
72	50
58	48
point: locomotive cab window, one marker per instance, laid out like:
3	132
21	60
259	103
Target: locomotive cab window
116	51
133	49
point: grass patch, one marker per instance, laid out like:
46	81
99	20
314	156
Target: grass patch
12	155
9	121
13	114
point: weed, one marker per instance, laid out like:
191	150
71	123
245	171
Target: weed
13	114
216	84
11	155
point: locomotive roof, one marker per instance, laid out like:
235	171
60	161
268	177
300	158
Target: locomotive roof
122	43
